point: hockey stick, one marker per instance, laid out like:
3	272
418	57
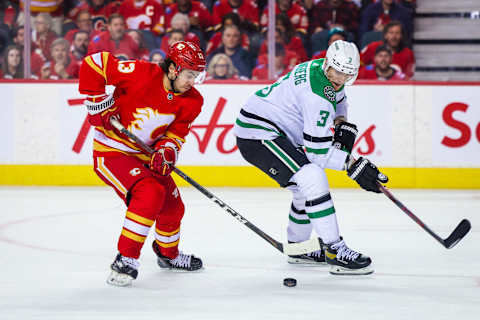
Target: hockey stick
460	231
287	248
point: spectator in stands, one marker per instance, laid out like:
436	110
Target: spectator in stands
334	34
54	8
62	66
36	57
281	68
99	10
144	15
377	15
43	35
137	36
115	40
232	47
285	34
296	14
330	13
78	50
221	68
83	23
394	37
12	64
216	39
382	69
197	12
246	9
157	56
173	36
180	21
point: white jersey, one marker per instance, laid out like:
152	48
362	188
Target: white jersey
301	106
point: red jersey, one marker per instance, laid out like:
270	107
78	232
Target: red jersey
369	73
403	60
295	45
296	13
197	10
126	48
216	40
291	59
320	55
146	15
248	10
145	107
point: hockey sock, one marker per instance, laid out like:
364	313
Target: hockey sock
322	216
147	198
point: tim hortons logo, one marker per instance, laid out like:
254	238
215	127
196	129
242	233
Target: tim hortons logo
364	144
210	128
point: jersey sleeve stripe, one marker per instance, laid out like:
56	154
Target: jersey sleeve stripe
105	61
310	138
92	65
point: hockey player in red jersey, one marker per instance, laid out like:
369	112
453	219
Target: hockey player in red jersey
158	104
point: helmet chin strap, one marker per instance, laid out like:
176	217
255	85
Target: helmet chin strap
172	83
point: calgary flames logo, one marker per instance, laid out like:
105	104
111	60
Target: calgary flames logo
150	121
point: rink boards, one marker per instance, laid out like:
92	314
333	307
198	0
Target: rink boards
425	135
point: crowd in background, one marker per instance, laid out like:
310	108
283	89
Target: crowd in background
233	34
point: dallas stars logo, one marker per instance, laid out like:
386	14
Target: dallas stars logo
329	93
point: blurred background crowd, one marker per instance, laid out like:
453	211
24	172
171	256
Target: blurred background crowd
233	34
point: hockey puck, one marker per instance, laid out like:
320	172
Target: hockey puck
289	282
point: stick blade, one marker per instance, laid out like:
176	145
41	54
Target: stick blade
297	248
460	231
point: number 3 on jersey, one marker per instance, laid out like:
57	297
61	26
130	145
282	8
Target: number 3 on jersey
323	118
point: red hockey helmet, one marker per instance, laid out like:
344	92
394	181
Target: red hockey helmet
187	55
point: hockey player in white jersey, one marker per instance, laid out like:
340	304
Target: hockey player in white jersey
285	130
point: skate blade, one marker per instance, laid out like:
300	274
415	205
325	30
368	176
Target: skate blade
119	279
340	271
305	262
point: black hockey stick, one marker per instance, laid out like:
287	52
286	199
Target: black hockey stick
287	248
460	231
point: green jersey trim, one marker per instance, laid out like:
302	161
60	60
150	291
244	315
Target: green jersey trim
320	85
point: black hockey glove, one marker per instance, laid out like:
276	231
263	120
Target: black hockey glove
344	136
366	174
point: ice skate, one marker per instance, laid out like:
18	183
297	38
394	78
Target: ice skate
345	261
183	262
124	271
312	258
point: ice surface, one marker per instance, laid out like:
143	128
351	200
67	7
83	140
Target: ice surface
56	245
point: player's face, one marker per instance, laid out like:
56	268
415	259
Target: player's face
394	36
185	80
13	58
383	60
337	78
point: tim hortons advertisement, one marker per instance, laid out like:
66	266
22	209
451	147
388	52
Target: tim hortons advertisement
50	124
456	127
